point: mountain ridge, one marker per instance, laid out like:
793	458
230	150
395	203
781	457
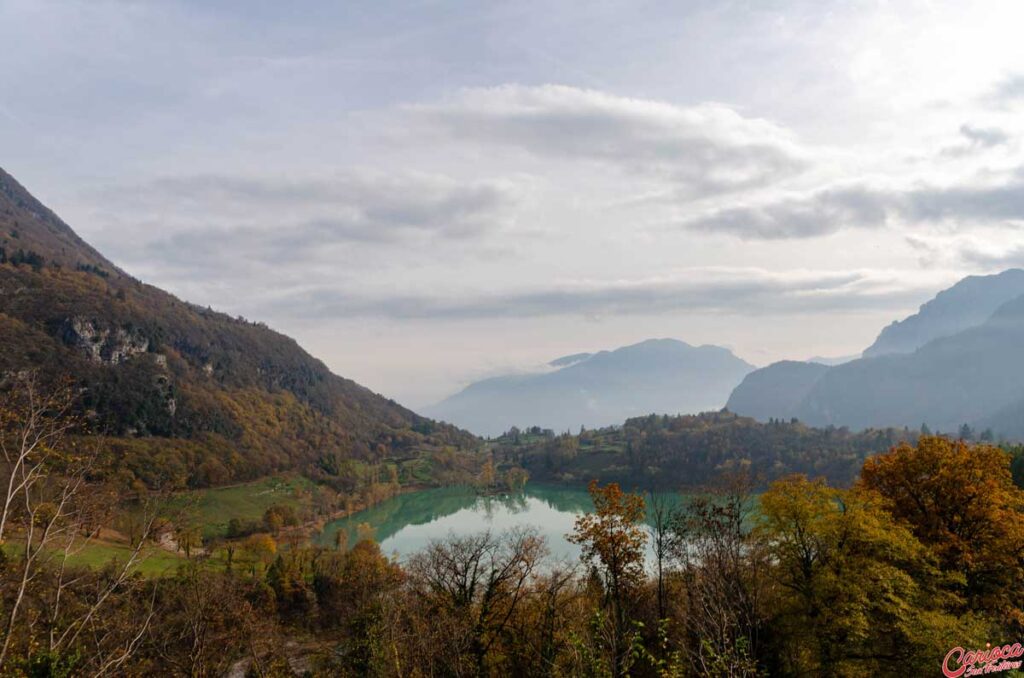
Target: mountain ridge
973	376
214	399
605	388
966	304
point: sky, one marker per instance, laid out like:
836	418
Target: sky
427	193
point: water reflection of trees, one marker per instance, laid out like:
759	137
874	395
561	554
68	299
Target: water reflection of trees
425	506
413	508
514	504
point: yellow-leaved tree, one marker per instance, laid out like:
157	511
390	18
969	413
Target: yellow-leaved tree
960	501
859	593
613	539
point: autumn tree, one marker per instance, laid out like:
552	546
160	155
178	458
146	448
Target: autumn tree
960	500
487	476
188	536
352	591
515	478
261	548
725	578
661	519
612	539
469	590
207	622
287	576
49	509
541	633
859	593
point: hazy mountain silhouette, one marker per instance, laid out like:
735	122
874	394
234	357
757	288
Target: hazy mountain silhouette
775	391
973	376
659	375
966	304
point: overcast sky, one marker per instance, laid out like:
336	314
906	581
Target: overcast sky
426	193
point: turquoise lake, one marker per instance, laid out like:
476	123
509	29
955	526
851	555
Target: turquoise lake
408	522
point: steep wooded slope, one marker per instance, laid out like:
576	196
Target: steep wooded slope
179	393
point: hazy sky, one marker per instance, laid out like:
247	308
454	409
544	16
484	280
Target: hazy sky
426	193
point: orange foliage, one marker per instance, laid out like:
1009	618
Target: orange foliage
960	501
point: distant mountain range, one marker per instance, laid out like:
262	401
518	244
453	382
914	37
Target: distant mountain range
966	304
600	389
959	359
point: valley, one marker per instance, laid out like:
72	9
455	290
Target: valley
168	464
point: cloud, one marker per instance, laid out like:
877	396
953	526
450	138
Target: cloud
204	217
820	214
986	258
977	139
984	137
832	210
704	290
1009	90
701	150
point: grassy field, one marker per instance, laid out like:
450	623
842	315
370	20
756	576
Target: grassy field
153	560
96	553
212	509
209	509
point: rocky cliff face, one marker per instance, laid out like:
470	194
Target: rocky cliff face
103	345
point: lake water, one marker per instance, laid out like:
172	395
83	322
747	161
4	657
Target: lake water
407	523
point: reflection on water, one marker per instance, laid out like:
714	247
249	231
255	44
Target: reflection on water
407	523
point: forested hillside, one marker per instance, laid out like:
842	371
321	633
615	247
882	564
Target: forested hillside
182	394
689	451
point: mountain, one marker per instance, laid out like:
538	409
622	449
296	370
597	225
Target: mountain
833	360
659	375
775	391
973	376
177	393
966	304
969	377
567	360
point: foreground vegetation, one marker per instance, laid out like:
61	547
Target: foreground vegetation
923	553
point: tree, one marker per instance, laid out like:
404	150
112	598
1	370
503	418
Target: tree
292	592
278	516
661	538
725	578
515	479
540	633
352	589
188	536
486	478
960	501
858	590
471	588
612	540
206	621
365	532
262	548
49	509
